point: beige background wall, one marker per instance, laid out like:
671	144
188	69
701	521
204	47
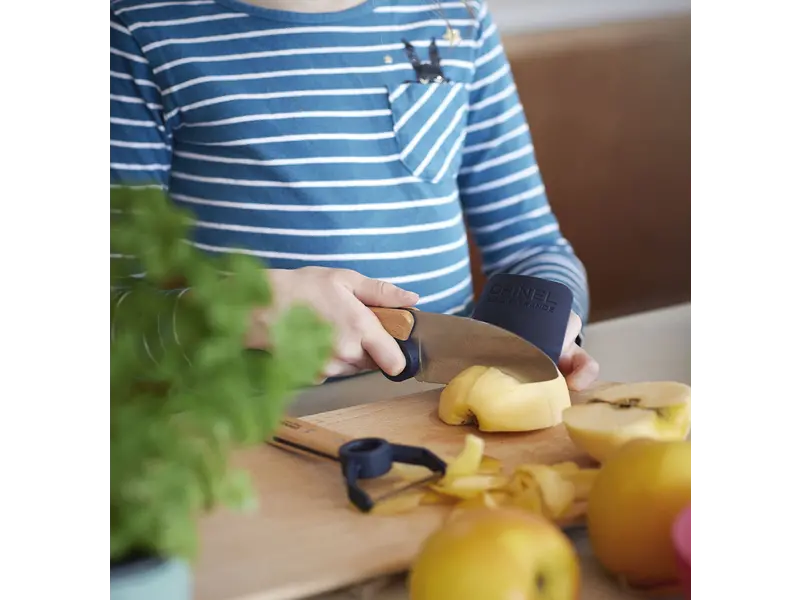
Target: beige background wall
609	108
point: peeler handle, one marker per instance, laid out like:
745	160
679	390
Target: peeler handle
399	323
362	458
302	437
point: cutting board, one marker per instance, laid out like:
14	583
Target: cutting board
305	537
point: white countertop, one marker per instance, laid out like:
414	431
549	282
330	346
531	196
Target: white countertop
653	345
517	16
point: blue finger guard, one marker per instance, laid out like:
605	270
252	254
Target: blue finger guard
411	352
535	309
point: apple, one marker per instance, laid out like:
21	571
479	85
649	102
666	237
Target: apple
495	554
659	410
633	502
498	402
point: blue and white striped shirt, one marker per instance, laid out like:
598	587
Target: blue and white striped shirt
307	139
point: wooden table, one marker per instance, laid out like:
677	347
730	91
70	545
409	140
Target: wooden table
647	346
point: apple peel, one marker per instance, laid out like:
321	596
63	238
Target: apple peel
468	462
557	493
473	480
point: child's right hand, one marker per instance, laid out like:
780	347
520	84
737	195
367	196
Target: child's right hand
340	297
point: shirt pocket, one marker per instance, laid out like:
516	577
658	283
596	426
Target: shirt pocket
429	122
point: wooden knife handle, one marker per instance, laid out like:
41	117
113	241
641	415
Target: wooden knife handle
302	437
398	322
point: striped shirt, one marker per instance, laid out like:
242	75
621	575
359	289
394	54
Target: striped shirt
312	139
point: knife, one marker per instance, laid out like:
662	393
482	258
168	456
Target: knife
438	347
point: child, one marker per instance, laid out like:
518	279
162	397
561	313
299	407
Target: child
345	144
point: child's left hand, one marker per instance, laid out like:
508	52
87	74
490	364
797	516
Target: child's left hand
580	369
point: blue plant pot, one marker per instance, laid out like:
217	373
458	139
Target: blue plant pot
151	579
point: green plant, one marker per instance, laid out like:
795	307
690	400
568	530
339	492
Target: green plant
184	393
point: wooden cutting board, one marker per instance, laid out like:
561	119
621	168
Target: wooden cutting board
306	539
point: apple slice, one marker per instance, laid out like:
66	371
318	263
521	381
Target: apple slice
659	410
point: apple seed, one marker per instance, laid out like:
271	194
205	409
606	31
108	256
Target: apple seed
622	403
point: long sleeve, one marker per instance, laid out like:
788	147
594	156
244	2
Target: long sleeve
140	146
501	188
140	132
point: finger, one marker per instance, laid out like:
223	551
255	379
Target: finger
351	352
348	349
256	335
573	329
381	347
366	364
565	362
584	372
374	292
338	368
385	352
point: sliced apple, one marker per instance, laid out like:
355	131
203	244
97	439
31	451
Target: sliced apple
658	410
453	408
499	402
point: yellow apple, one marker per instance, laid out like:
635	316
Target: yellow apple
654	410
635	497
496	554
499	402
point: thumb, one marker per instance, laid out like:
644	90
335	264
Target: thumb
573	329
584	371
374	292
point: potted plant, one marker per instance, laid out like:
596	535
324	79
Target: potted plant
184	393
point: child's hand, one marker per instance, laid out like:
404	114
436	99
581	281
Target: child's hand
580	369
339	296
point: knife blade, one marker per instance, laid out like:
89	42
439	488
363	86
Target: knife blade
438	347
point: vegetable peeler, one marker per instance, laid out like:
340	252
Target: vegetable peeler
359	459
